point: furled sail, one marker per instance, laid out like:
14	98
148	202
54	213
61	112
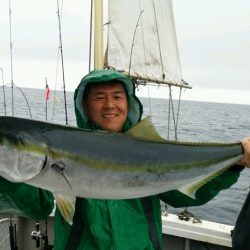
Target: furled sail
142	40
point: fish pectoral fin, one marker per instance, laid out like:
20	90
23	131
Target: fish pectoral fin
66	206
191	188
145	131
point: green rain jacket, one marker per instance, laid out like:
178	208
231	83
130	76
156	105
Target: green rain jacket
124	224
24	200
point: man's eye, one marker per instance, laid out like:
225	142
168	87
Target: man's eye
118	97
99	97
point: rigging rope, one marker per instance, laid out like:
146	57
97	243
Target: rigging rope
169	110
158	37
144	54
173	113
11	61
61	52
26	100
24	96
178	109
4	99
131	52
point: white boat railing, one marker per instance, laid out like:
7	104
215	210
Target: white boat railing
205	231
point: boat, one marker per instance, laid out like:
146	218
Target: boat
147	51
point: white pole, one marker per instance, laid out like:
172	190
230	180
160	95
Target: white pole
98	35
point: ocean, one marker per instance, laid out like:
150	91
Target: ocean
198	121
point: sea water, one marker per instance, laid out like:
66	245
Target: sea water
197	121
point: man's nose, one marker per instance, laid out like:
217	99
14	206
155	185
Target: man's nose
109	102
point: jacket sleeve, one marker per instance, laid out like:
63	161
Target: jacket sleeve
207	192
61	231
25	200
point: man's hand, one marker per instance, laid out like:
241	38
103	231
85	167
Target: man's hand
245	161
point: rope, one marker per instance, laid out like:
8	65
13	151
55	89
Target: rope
131	52
24	96
173	113
178	111
169	104
4	99
26	100
61	51
11	61
144	55
158	37
186	215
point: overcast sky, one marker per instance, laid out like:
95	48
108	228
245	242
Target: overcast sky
213	38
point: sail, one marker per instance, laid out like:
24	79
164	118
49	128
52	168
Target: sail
142	40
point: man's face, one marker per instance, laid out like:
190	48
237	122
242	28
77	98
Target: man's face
107	106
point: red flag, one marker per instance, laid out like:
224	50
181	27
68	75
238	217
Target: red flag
47	92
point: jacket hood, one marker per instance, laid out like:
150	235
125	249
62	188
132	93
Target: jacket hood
135	108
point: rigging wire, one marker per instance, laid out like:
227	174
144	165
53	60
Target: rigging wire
11	60
144	54
26	100
178	109
169	110
61	52
172	110
131	52
171	106
158	37
4	99
173	113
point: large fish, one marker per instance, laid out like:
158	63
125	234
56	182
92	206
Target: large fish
96	164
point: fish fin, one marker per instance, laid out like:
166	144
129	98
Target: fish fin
66	206
145	130
191	188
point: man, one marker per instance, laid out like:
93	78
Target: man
105	99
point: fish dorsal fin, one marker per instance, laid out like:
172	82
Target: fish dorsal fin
145	130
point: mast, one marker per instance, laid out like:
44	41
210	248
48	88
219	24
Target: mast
98	34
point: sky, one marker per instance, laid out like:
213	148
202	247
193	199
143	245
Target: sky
213	39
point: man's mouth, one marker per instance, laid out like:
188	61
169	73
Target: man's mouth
109	115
